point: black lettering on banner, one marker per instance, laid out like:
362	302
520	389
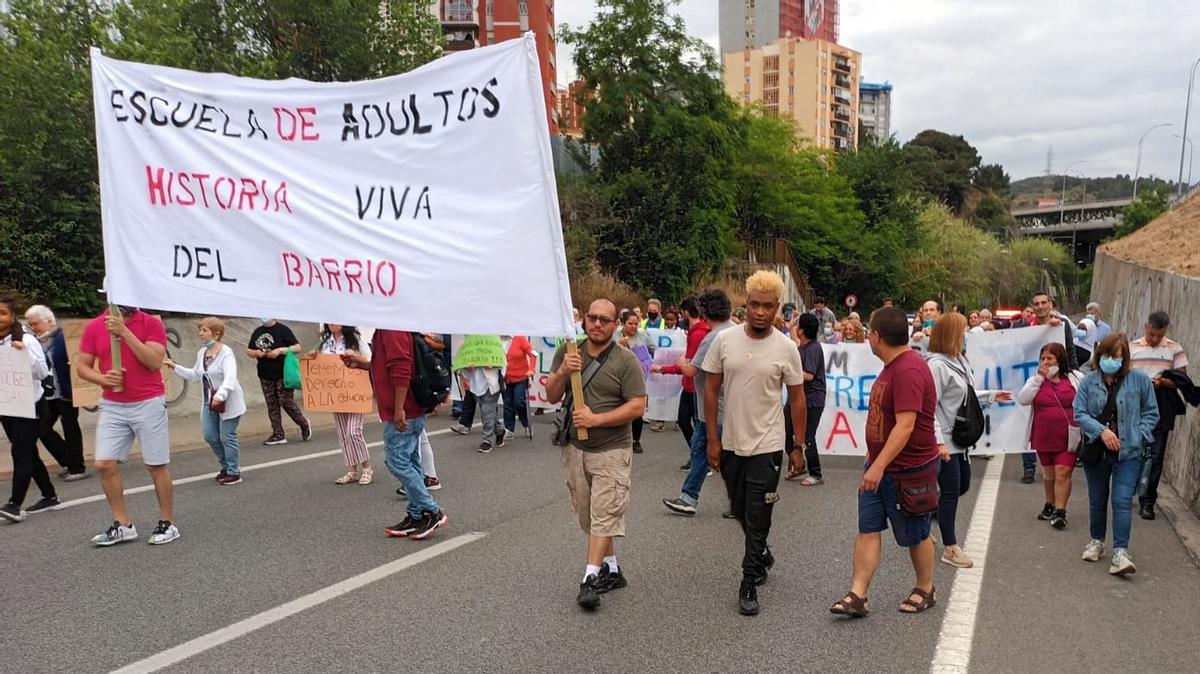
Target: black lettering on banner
367	121
135	101
837	359
175	115
154	117
116	106
463	101
417	128
225	127
490	98
205	117
255	127
187	256
445	96
375	201
349	122
392	120
197	262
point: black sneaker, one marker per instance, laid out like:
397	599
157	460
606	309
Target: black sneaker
12	512
747	598
589	595
608	580
1146	512
1027	477
728	514
48	503
275	440
401	493
768	558
686	467
1059	520
430	522
306	433
485	447
1047	512
404	528
220	475
637	447
500	440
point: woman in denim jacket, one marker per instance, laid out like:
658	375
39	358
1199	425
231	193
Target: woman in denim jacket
1126	438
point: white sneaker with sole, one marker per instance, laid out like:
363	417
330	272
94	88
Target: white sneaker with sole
1122	563
954	556
164	533
1094	551
117	533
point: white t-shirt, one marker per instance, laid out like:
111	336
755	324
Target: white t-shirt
754	373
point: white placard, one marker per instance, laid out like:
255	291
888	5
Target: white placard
1002	359
18	390
663	390
401	202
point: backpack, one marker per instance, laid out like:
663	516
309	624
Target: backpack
430	383
968	420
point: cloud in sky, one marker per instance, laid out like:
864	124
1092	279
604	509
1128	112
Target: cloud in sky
1017	76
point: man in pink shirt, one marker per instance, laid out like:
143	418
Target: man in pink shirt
133	405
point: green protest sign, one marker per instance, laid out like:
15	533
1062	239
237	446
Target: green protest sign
480	351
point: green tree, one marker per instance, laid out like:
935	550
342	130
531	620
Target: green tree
992	215
1151	203
950	266
943	165
991	177
667	136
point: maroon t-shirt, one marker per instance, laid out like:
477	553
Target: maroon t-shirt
904	385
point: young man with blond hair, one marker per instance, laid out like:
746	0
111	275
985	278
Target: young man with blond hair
753	363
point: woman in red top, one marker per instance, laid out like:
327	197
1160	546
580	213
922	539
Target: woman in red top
522	360
1051	392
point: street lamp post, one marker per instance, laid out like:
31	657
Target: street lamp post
1137	169
1082	203
1186	110
1062	202
1191	151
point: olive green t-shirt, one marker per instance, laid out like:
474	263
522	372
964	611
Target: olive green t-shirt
618	381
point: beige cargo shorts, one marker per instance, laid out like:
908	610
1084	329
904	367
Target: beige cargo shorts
599	487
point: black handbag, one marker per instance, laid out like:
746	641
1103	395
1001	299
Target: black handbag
1093	451
562	420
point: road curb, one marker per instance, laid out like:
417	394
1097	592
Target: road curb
1185	522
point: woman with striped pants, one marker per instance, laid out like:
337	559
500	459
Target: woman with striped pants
345	341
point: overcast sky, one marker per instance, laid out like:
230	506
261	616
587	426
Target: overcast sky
1017	76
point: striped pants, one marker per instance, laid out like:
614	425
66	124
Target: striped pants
350	435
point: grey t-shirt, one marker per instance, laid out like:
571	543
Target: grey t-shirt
697	360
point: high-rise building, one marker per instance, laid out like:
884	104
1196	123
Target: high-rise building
757	23
875	108
471	23
812	82
570	112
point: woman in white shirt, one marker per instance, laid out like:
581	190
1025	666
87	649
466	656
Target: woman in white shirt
345	341
23	432
222	401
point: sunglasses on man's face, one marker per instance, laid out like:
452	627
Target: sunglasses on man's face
600	320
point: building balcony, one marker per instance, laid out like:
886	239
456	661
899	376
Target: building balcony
457	13
840	113
842	81
842	129
841	65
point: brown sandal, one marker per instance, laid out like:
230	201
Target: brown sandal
928	600
796	469
851	605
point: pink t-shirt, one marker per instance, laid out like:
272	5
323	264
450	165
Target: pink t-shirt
140	384
1052	413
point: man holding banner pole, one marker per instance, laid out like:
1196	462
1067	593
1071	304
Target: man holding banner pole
598	465
133	405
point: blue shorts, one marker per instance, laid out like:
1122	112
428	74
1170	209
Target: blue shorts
877	508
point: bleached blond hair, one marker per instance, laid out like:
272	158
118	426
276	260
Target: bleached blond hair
764	281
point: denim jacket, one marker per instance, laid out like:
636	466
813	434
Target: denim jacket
1137	411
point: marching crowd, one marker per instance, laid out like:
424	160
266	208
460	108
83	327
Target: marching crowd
753	395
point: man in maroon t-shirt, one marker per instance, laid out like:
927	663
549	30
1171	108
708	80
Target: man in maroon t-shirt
900	442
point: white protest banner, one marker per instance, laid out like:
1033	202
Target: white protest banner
388	203
18	390
545	348
1000	360
663	390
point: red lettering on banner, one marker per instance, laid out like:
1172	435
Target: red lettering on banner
382	276
306	124
229	193
841	426
290	134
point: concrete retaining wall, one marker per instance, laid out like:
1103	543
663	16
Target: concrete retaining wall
1128	293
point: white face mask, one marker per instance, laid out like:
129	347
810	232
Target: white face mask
1052	370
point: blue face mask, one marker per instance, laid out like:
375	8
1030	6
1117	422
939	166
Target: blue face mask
1080	333
209	342
264	321
927	323
828	332
1110	365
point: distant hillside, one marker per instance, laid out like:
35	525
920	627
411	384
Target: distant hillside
1027	191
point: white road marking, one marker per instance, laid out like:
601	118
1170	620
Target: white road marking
245	469
953	652
224	635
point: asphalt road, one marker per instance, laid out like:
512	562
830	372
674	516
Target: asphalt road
505	601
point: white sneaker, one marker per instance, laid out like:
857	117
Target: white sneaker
117	533
508	435
460	429
1122	563
164	533
1094	551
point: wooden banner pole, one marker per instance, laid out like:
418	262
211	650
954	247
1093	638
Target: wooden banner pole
577	388
114	345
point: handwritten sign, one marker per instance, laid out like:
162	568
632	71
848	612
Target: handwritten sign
18	390
329	386
342	202
480	351
1000	360
83	393
664	389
